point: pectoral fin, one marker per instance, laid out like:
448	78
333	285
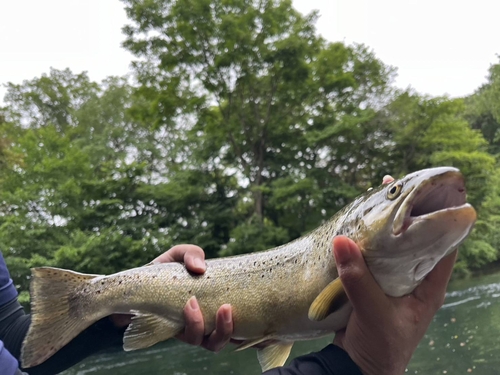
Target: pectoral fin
146	330
331	298
274	355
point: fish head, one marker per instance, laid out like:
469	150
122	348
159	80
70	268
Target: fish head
406	227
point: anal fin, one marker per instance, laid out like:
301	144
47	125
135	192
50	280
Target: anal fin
145	330
249	343
274	355
331	298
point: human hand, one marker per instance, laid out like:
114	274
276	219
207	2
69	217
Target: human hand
383	332
194	333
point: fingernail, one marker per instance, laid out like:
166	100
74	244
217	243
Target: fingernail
226	314
193	303
387	179
199	263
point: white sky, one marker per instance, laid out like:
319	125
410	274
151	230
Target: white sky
439	46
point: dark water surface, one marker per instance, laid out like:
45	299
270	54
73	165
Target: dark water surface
464	338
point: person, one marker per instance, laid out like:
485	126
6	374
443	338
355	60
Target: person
380	337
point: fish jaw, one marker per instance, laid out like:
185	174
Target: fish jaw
443	190
431	239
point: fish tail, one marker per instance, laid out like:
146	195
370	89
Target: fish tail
57	312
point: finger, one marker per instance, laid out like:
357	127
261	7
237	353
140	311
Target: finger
193	257
432	290
387	179
223	330
366	296
195	327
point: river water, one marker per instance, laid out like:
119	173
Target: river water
464	338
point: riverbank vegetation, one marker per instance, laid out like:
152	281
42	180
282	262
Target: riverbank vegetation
239	129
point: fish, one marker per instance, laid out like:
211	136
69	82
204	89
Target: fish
279	296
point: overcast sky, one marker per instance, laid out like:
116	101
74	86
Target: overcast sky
439	46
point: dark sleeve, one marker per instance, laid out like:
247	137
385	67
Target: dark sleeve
7	290
99	336
332	360
8	364
14	324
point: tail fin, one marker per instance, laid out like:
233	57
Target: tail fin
56	315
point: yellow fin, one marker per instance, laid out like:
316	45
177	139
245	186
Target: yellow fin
274	355
331	298
249	343
145	330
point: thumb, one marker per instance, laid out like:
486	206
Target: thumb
366	296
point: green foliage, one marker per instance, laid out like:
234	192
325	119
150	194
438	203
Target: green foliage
483	109
267	100
245	130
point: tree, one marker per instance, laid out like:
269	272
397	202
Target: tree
68	194
247	89
483	109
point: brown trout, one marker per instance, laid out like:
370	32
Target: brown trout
288	293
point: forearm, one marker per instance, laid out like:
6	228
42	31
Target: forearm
100	336
332	360
14	324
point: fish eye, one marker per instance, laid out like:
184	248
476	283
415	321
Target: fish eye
394	191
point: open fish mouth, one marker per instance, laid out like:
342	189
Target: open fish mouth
441	194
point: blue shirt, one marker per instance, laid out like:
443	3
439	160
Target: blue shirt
8	364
